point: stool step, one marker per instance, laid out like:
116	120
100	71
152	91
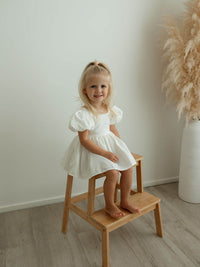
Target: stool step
145	201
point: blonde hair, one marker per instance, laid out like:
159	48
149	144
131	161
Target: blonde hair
95	68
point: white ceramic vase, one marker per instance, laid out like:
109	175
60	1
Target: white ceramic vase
189	174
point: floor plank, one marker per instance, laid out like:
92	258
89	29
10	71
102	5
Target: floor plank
33	238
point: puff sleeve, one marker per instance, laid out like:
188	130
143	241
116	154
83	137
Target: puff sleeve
81	120
115	118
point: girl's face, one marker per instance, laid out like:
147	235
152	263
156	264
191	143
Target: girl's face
97	88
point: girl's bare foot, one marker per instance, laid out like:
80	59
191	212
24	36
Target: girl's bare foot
128	206
114	211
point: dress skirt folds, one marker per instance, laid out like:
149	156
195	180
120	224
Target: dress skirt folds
80	162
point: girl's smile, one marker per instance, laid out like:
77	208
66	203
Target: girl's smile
97	96
97	88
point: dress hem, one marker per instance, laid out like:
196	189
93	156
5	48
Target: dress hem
90	176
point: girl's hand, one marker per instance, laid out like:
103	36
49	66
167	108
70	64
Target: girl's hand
111	156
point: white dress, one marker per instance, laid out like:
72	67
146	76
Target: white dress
80	162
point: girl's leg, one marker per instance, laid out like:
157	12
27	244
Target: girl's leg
125	186
109	192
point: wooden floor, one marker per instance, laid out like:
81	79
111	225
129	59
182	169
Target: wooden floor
33	238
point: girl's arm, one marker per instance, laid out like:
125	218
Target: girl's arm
92	147
114	130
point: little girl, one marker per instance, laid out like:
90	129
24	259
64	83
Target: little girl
98	148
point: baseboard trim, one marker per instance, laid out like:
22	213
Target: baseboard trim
32	204
58	199
161	181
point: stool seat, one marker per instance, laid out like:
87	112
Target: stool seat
100	219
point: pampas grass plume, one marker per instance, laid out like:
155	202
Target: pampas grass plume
181	52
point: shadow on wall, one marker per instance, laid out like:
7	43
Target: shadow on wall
159	127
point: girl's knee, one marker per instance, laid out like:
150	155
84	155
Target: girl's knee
128	171
114	174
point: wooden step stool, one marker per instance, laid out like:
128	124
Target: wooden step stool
100	219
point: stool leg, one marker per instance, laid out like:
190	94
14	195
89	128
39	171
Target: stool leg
139	173
158	220
67	202
105	249
91	196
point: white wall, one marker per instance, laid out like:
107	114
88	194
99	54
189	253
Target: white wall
44	47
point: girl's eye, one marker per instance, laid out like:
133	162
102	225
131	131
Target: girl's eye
92	86
103	86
